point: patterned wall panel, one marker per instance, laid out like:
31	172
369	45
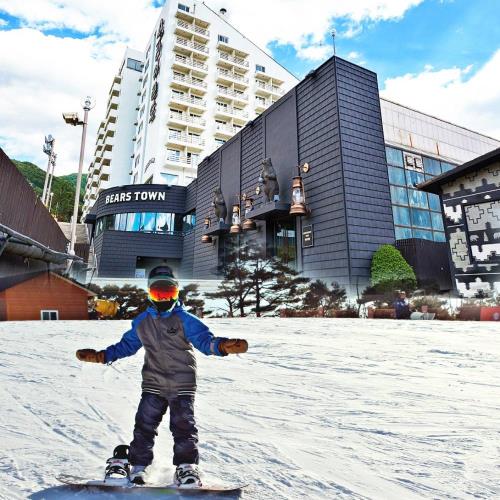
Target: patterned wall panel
471	206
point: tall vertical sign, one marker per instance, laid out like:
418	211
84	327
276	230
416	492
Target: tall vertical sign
154	91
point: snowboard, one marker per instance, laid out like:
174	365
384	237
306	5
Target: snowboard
78	483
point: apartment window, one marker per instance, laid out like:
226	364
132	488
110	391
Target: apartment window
194	138
432	166
174	133
220	142
183	7
134	64
177	93
49	315
170	179
223	39
193	159
260	68
176	112
173	154
260	100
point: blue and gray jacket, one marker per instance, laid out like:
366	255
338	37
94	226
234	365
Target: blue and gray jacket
168	338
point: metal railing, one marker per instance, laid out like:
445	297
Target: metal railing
232	75
233	59
190	139
192	45
193	63
189	160
231	111
227	128
232	93
193	28
270	88
188	119
190	81
189	99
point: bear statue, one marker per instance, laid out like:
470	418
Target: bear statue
219	205
270	181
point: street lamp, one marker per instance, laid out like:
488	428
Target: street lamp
73	119
48	149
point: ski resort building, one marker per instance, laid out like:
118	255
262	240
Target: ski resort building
354	180
114	143
197	84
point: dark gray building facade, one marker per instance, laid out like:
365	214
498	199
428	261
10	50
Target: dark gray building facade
331	121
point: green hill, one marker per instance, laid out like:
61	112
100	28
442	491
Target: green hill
63	188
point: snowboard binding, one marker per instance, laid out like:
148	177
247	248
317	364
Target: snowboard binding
118	467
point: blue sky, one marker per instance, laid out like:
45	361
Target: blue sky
440	33
438	56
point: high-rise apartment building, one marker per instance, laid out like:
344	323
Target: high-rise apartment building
202	82
114	143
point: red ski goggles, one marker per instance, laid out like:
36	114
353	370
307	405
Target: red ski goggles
162	291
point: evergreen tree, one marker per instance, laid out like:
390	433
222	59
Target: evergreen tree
390	271
190	297
320	296
234	289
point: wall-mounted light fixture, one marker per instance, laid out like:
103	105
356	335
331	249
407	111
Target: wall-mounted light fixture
236	220
298	192
206	238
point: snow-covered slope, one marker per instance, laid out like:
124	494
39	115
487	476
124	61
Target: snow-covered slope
316	408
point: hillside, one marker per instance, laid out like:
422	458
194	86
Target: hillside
63	188
317	409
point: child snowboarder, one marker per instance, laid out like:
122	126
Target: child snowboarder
168	333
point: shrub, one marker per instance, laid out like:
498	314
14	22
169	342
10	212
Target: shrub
390	271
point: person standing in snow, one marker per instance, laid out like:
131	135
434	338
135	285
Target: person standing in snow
402	307
168	333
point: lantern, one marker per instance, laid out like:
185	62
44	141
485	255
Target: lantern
298	197
236	221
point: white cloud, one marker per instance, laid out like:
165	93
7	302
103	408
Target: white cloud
46	75
3	22
302	23
318	52
454	94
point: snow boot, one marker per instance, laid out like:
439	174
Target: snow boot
118	467
138	474
187	476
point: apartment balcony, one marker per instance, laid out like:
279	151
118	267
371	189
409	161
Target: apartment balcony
188	46
262	105
183	62
230	60
183	139
182	160
225	75
113	102
114	91
267	90
106	157
229	111
184	118
187	81
232	94
191	101
226	130
187	28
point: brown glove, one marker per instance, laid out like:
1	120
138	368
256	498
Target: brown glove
233	346
91	355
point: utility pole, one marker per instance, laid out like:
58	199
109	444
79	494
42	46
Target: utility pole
72	119
48	149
